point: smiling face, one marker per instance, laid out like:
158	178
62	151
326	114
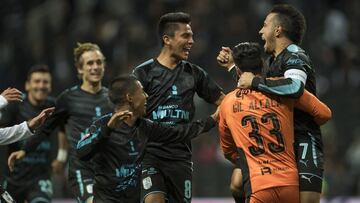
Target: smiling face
180	44
268	33
38	86
93	66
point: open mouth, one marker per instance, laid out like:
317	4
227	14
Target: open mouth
187	50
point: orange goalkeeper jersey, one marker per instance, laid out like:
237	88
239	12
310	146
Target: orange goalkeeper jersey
257	131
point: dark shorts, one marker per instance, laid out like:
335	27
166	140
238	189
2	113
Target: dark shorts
81	183
101	195
310	161
172	178
39	190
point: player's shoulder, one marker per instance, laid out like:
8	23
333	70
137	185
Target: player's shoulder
295	54
229	97
192	69
145	66
104	90
193	66
69	92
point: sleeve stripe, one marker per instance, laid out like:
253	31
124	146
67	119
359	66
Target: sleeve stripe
288	89
87	140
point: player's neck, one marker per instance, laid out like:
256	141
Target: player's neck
34	102
282	44
166	59
92	88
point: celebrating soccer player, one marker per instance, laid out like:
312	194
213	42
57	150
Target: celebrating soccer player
257	133
171	83
116	142
283	31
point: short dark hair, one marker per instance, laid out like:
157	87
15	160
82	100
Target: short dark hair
37	69
119	87
291	20
247	57
168	23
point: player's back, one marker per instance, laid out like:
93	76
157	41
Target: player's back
262	129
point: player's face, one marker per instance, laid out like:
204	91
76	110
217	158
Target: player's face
39	86
181	42
139	100
267	33
93	66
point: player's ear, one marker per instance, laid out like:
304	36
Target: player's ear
166	39
27	85
278	30
129	98
80	71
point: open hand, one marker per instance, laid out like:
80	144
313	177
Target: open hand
39	119
118	116
12	94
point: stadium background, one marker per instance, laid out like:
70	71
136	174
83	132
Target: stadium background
46	31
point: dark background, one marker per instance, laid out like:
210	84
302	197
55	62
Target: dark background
46	31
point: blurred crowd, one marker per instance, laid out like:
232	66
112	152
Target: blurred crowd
46	31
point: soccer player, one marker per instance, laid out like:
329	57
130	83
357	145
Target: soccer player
117	145
257	130
76	109
30	179
171	82
283	31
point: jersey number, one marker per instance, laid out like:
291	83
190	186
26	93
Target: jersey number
266	118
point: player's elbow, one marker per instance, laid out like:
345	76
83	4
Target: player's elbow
324	117
298	88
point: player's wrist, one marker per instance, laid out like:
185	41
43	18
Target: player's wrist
255	82
30	126
62	155
232	66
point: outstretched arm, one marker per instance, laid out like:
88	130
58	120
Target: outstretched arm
179	133
24	130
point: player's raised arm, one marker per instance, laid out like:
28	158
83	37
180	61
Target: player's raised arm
88	145
98	131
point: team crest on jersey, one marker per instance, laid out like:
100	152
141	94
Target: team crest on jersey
147	183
